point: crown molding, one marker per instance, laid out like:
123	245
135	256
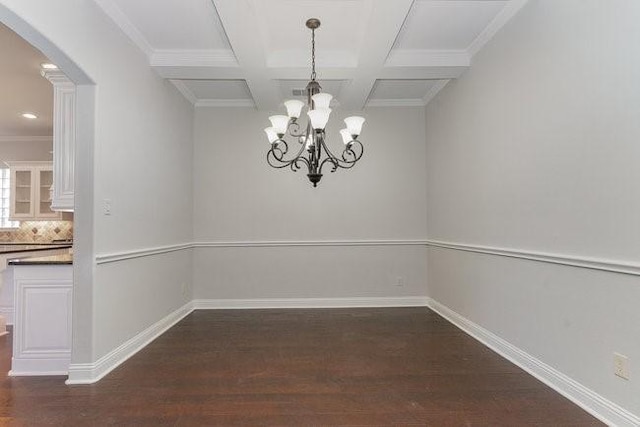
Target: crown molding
435	89
113	11
56	77
419	102
193	58
184	90
225	103
428	58
508	11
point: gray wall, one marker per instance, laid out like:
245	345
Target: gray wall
239	199
536	149
142	151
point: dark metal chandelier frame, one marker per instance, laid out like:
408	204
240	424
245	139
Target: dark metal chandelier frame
313	151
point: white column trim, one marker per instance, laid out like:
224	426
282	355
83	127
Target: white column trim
64	139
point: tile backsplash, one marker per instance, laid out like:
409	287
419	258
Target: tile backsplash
38	231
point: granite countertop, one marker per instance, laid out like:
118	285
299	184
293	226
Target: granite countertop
44	260
10	248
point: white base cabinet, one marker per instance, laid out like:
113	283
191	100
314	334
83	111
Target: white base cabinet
42	324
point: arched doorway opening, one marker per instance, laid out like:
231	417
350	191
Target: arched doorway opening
84	254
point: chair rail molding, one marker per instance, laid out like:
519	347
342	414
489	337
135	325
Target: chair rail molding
157	250
614	266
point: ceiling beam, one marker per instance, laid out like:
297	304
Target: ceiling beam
385	22
238	17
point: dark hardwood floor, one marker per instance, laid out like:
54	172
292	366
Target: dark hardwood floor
346	367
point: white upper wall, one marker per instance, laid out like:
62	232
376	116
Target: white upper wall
537	146
238	197
142	161
142	128
536	149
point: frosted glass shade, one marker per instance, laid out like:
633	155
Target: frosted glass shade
321	100
309	143
294	108
346	136
280	124
319	117
271	134
354	125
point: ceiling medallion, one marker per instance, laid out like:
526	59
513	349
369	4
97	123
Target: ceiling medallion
313	152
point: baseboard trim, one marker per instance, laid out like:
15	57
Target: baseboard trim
40	366
598	406
222	304
89	373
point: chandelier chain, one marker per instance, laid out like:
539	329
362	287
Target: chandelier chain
313	55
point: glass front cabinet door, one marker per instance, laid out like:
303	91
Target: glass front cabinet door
31	189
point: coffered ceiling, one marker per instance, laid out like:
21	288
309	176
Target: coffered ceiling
257	52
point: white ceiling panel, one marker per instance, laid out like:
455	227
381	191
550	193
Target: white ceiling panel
266	45
446	25
184	24
342	26
218	89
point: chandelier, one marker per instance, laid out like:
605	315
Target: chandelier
313	151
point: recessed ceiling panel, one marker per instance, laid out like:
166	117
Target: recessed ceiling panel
446	25
176	24
218	89
342	24
23	89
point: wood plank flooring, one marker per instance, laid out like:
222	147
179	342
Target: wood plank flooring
328	367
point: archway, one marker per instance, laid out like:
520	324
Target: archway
84	254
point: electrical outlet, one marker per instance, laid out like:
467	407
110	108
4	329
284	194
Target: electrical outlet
106	206
184	288
399	281
621	365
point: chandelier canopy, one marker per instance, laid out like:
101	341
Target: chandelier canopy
313	152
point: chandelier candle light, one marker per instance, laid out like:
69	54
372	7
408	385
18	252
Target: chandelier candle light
313	151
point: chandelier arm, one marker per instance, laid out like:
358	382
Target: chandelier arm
350	152
276	149
296	167
334	164
296	128
277	155
344	162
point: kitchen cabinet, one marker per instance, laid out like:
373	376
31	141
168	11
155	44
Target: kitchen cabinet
31	184
42	324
